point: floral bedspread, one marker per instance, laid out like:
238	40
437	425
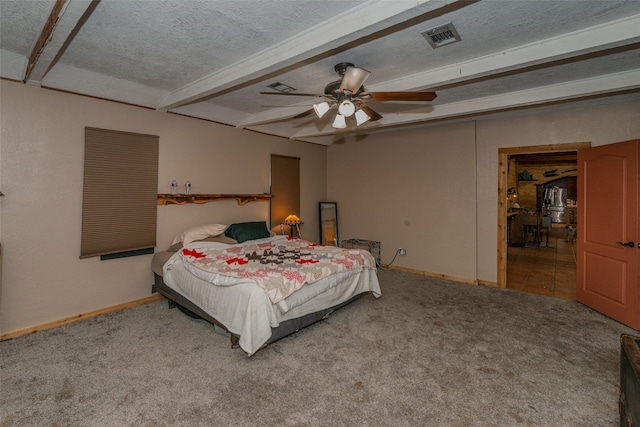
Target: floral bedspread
281	266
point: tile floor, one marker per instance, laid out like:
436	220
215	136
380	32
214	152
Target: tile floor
544	270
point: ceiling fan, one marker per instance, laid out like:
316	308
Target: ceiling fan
350	97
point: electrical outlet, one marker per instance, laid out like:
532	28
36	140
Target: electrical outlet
402	251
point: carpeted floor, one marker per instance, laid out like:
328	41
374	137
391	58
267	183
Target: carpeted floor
427	353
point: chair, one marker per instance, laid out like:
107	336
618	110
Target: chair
544	229
537	225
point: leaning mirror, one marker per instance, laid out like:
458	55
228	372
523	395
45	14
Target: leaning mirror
329	223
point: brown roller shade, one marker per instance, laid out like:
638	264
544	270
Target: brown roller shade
119	205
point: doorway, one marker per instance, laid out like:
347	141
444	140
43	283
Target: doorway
285	190
547	269
533	260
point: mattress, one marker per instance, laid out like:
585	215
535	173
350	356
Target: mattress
246	310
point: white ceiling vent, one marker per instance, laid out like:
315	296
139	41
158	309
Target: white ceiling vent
442	35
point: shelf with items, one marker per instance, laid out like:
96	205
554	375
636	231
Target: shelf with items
181	199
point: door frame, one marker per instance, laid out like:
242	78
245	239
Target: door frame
503	169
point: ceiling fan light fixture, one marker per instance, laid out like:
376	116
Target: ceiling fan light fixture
353	79
347	108
349	96
321	108
362	117
339	122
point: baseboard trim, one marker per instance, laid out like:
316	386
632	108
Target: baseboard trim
487	283
437	275
67	320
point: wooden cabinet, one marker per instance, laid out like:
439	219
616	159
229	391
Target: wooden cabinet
515	229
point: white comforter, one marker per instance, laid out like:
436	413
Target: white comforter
245	309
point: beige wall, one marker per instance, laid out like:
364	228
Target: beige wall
602	124
414	189
432	191
435	191
41	170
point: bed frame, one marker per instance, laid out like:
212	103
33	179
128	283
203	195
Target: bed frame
285	328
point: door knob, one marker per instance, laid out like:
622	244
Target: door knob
630	244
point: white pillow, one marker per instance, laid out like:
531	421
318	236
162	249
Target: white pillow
198	233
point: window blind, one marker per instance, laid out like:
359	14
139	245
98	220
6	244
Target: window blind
119	205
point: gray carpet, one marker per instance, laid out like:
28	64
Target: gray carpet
427	353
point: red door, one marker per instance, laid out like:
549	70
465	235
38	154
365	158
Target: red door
608	234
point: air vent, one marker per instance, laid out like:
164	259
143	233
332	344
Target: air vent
442	35
281	87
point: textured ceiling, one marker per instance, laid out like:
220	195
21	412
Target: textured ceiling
211	58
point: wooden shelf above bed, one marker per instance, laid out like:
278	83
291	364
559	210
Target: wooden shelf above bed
181	199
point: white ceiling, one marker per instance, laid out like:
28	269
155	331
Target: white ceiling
211	58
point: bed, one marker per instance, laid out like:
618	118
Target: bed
257	288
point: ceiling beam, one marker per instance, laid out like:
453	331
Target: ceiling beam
608	36
65	18
275	114
598	38
610	83
43	38
350	26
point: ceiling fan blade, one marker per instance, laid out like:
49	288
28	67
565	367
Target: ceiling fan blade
398	96
294	94
304	114
353	79
370	112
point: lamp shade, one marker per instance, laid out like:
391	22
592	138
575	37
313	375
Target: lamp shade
292	220
347	108
353	78
321	108
339	122
361	117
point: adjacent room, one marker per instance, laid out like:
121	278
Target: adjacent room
470	168
542	223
